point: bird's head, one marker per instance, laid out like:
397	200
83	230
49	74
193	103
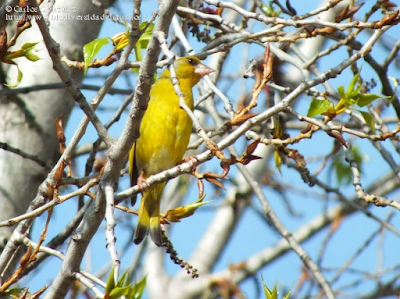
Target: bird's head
191	68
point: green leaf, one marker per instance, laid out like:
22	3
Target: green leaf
29	46
343	172
138	52
136	291
351	95
110	281
91	49
124	279
146	36
27	51
185	211
341	91
357	156
355	92
274	293
369	120
143	42
318	107
19	78
366	98
144	39
351	99
353	83
14	293
278	161
268	293
32	56
287	295
119	292
269	11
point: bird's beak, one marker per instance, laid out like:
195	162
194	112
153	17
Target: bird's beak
203	70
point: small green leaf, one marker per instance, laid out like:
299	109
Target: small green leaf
287	295
136	291
32	56
366	98
369	120
351	95
353	83
274	293
143	42
351	100
144	39
119	292
355	92
19	78
341	91
110	281
278	160
147	34
124	279
185	211
357	156
138	52
14	293
27	51
318	107
29	46
343	172
91	49
269	11
268	293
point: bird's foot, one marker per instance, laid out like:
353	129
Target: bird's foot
141	182
192	161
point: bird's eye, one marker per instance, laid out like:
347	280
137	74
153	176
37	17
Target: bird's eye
192	61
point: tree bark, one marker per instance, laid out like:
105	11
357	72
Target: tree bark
27	120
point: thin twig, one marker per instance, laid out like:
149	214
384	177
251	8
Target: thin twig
110	234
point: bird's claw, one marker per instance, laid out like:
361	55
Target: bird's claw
142	183
192	161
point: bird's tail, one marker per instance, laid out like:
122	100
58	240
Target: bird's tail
149	216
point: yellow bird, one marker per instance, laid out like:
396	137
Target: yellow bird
164	137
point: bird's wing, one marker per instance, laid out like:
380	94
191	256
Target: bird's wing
133	171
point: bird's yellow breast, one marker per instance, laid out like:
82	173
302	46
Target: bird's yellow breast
165	128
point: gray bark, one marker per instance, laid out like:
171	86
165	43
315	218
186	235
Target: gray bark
27	120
